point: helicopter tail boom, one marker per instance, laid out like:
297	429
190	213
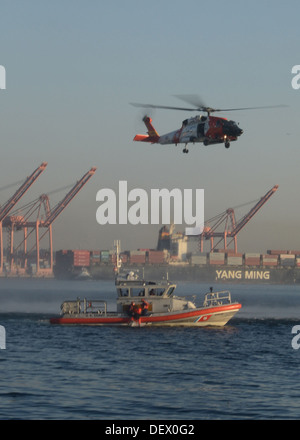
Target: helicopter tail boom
152	136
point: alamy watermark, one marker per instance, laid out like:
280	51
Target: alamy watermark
296	78
2	78
296	338
2	338
136	207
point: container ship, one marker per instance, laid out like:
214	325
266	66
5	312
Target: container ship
274	266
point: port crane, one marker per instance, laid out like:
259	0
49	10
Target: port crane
9	205
230	226
45	217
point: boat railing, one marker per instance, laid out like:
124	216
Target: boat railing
217	298
98	307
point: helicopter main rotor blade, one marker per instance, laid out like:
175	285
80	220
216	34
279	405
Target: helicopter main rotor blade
163	107
199	104
247	108
194	100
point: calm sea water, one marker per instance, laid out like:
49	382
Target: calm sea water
246	370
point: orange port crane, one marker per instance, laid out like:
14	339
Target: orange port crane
8	206
44	220
231	228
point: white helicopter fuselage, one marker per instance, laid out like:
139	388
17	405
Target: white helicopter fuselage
192	130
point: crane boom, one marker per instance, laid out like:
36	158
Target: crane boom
67	199
231	227
253	211
7	207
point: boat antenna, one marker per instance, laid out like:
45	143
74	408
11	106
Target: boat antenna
118	263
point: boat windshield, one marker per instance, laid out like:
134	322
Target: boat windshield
156	292
137	292
170	291
146	289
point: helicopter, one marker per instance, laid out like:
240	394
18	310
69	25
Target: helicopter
204	129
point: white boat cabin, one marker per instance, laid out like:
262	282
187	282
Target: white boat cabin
159	296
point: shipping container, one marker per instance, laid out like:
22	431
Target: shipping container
234	254
290	263
287	260
137	259
215	258
104	256
286	257
94	260
270	260
199	259
224	251
95	253
155	253
216	262
81	258
234	261
137	253
252	261
156	257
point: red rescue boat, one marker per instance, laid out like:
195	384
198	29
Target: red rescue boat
141	303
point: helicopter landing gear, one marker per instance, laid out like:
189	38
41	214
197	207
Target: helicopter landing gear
185	150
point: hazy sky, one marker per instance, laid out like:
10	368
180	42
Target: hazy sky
73	67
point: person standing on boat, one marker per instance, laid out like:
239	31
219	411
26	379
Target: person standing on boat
145	307
131	309
137	313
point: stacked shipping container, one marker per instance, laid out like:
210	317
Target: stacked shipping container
234	259
95	257
157	257
76	258
287	260
200	259
81	258
85	258
269	260
252	259
216	258
137	257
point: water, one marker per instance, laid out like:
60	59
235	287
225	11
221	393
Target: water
246	370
